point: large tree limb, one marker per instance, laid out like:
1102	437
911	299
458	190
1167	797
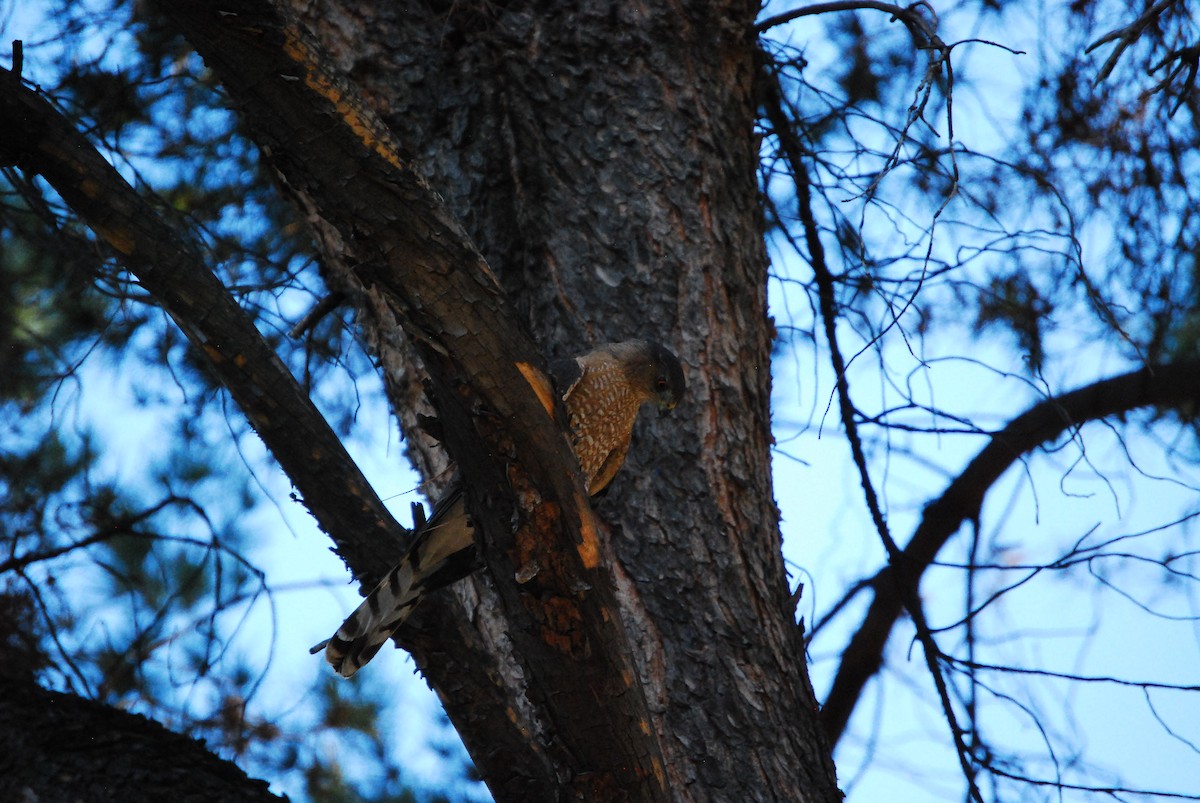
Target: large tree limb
1175	385
57	746
41	141
620	200
502	422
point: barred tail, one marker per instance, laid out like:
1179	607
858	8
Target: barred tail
443	551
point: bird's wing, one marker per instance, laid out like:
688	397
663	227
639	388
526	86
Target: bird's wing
442	552
609	468
566	373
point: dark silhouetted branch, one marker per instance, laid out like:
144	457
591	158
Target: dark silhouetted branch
1172	386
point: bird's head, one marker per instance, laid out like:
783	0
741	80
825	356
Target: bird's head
654	369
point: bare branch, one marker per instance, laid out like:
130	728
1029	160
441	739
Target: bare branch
1184	58
1074	678
1124	37
917	25
40	140
311	318
1175	385
793	152
116	528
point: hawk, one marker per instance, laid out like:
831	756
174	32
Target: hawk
603	391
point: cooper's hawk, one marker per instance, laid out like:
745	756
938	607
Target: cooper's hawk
603	391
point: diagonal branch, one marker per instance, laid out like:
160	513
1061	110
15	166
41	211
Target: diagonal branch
502	424
1172	386
40	140
923	32
1126	36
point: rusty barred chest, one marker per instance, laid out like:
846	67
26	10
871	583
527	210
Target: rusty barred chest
602	408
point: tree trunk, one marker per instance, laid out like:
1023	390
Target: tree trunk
603	159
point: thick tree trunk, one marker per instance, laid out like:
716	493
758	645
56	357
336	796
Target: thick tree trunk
603	159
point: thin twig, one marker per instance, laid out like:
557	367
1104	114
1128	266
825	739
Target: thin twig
1124	37
311	318
793	152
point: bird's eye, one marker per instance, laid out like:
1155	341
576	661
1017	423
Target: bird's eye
661	383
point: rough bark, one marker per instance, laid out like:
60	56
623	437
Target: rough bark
59	747
414	263
603	159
